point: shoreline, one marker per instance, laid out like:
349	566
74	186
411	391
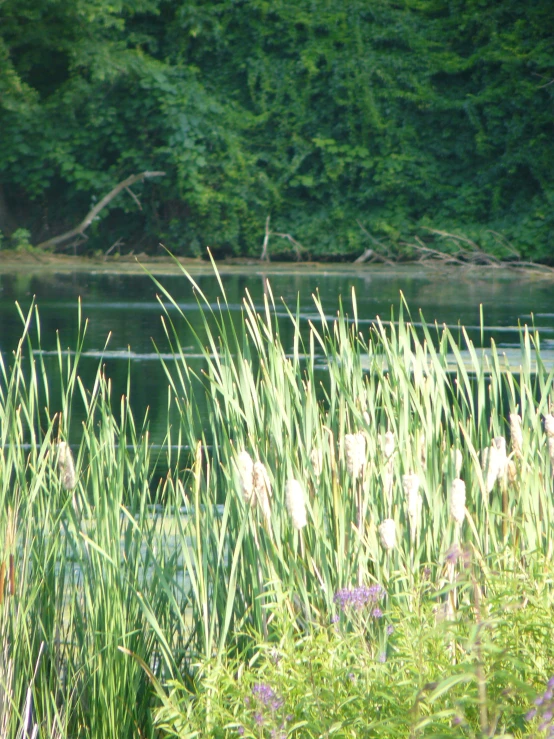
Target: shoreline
13	263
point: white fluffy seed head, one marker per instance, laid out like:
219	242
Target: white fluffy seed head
516	432
549	425
262	490
245	466
492	465
387	534
355	453
316	458
457	461
296	504
388	445
458	501
66	466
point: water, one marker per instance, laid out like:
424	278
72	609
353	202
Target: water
125	307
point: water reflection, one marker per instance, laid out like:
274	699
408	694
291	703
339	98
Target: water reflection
127	308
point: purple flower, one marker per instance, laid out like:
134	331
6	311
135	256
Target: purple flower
544	709
382	658
258	718
240	731
359	597
377	613
264	693
390	629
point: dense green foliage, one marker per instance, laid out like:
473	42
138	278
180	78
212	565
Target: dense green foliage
403	116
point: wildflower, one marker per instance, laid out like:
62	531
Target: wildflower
246	473
354	448
382	658
264	693
516	433
316	458
413	498
359	597
296	504
67	468
390	630
377	613
262	490
458	501
544	709
387	534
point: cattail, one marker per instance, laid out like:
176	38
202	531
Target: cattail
549	425
458	501
66	466
354	448
387	534
262	490
296	504
246	473
457	461
500	444
388	446
414	500
316	458
492	464
511	471
516	433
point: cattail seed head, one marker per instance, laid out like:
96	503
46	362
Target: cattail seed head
245	466
387	534
388	445
66	466
262	491
296	504
316	458
458	501
492	465
516	433
354	449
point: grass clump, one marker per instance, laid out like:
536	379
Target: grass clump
338	503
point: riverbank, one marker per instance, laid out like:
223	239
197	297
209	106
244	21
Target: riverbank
33	263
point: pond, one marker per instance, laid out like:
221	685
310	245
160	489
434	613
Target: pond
124	307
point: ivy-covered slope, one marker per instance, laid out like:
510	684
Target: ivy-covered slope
402	116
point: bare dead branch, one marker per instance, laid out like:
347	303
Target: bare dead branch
132	194
91	215
265	256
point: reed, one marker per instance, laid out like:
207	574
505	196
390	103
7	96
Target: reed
103	596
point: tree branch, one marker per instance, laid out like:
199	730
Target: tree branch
89	218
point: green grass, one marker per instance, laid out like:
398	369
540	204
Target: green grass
106	608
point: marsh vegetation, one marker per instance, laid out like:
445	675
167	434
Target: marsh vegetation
370	555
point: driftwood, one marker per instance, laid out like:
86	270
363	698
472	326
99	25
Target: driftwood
89	218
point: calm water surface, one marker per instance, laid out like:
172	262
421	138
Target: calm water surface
125	307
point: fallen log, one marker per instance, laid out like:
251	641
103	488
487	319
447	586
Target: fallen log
91	215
